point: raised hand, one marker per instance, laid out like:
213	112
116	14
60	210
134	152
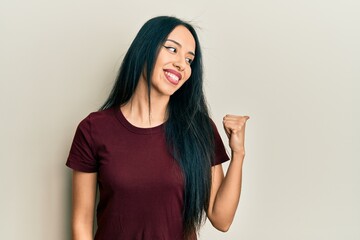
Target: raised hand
235	130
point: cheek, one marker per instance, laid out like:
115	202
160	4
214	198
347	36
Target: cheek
188	73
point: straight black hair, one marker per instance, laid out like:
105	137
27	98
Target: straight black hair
188	129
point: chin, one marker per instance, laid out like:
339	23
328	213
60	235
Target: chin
166	91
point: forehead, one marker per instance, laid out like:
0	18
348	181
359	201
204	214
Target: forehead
183	36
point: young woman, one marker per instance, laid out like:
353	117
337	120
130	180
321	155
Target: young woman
152	148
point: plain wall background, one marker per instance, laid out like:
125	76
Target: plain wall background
293	66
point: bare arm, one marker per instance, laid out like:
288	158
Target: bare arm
225	191
84	193
225	194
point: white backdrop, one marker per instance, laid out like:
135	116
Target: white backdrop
293	66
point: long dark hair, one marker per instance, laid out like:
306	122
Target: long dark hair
188	128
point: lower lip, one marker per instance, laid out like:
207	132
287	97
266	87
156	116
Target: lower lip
171	80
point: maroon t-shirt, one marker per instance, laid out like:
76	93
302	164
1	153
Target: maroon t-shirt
140	184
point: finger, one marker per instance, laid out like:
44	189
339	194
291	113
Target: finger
239	122
234	124
233	117
227	131
232	127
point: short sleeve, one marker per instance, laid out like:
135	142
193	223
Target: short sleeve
82	155
220	152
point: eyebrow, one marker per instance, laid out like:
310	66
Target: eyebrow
192	53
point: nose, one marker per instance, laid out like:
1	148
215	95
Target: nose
180	65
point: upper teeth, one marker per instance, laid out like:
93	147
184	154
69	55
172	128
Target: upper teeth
173	76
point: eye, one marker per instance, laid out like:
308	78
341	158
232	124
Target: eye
189	60
171	49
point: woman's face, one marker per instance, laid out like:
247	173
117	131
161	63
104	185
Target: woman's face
172	68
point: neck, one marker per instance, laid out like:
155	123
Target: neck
137	111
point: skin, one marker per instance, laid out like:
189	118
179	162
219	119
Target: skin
225	192
171	56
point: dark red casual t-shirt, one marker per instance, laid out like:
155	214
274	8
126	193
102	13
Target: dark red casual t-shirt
140	183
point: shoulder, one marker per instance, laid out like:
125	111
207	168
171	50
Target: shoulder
213	125
98	126
101	114
98	121
99	117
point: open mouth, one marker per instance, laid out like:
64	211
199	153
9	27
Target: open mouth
172	76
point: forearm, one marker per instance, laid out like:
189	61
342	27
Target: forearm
228	195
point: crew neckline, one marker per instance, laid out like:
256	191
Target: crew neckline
132	128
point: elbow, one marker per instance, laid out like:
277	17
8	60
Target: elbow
221	222
223	228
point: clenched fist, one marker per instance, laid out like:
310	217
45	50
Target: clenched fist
235	130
